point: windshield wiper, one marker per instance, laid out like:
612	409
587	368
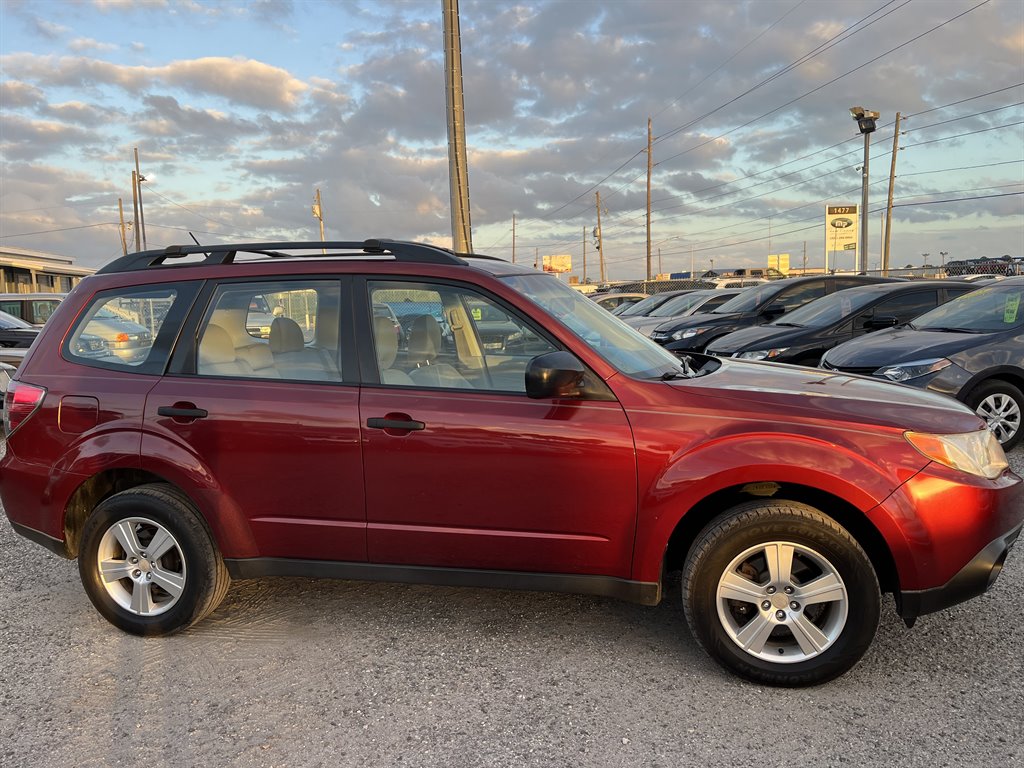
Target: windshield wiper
788	325
942	329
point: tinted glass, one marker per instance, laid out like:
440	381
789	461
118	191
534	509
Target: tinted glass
644	306
829	309
995	308
908	306
752	298
797	295
10	321
118	329
679	304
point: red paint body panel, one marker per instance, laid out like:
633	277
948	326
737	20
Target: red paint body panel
282	458
500	482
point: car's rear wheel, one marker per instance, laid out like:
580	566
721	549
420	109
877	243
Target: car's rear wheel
148	562
1000	404
780	594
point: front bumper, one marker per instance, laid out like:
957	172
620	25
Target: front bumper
972	580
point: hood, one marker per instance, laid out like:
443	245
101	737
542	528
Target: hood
900	345
793	391
757	337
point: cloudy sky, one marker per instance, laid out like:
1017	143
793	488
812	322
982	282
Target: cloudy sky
240	111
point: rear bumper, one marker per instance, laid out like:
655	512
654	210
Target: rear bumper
972	580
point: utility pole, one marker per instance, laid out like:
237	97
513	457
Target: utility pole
124	240
888	205
536	257
804	271
458	175
659	261
943	255
650	167
318	213
514	238
600	238
692	276
584	254
139	178
135	203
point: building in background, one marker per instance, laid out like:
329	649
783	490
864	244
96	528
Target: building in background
26	271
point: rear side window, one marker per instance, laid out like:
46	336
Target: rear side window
119	330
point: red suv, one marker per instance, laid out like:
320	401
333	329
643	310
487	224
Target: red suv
363	443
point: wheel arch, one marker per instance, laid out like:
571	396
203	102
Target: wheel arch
1008	374
859	525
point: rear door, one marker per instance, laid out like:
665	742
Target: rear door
274	426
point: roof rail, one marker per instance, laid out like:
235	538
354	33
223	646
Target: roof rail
401	250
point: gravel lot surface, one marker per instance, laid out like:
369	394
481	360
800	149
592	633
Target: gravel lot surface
297	672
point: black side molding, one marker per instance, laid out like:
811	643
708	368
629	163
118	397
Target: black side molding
642	592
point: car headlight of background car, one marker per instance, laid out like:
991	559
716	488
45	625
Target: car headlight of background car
688	333
761	354
913	369
977	453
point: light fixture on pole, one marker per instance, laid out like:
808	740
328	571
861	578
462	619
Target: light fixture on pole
866	123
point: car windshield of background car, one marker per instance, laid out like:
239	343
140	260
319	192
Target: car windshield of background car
828	309
679	304
752	298
10	321
644	306
620	345
997	308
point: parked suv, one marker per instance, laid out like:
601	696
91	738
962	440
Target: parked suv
586	459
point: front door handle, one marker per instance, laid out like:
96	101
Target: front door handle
182	411
405	425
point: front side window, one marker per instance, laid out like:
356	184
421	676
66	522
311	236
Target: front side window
118	330
272	330
797	296
430	335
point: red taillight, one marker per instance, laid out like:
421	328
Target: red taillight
20	402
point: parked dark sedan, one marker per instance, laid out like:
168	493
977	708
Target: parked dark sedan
15	332
805	334
647	305
684	305
755	306
971	348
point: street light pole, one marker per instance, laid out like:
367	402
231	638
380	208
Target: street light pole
866	123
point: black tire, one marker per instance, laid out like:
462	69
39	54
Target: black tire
191	567
1001	405
823	549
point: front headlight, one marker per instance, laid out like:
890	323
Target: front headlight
688	333
913	369
761	354
977	453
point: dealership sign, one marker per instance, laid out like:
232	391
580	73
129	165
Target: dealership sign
841	228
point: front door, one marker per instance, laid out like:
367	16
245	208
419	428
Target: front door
463	469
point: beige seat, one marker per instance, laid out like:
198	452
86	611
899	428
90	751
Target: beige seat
293	359
424	345
386	341
255	352
217	355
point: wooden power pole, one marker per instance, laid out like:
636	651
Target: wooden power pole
513	238
135	203
650	167
600	238
584	254
888	205
139	178
124	239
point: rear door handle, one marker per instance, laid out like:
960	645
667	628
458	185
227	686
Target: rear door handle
396	424
178	412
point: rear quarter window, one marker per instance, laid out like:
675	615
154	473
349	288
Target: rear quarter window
125	329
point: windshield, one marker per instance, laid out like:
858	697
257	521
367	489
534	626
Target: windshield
680	304
613	340
996	308
829	309
644	306
10	321
752	298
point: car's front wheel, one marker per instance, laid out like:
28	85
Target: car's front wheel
780	594
1000	404
148	562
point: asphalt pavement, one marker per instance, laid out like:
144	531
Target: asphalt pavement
299	672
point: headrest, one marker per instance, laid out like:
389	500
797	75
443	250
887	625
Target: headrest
285	336
216	346
424	337
387	341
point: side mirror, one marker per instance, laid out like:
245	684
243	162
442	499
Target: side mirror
556	374
774	310
882	321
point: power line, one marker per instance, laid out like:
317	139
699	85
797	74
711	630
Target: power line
961	135
64	229
179	205
970	98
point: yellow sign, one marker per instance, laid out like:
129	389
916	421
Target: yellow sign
779	261
561	262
